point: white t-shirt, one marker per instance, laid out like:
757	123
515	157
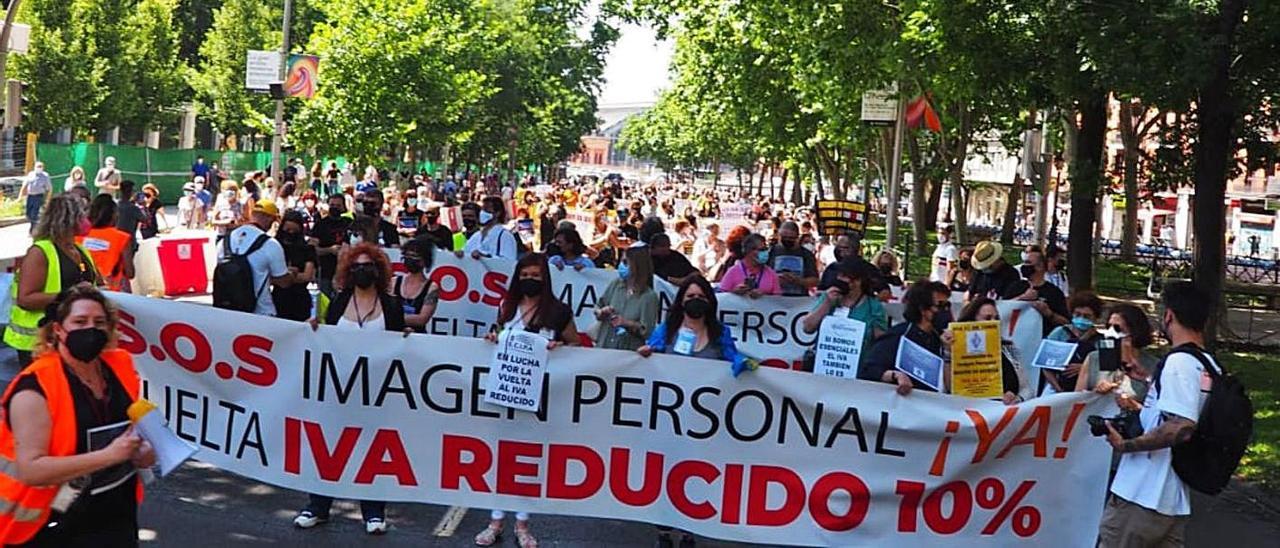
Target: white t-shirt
945	253
267	261
497	243
1147	478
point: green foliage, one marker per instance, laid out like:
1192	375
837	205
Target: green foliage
62	78
218	83
497	80
152	64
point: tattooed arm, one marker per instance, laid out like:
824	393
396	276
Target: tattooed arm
1172	431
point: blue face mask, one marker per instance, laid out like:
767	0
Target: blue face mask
762	256
1082	323
485	217
624	271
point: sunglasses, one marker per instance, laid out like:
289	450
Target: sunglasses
942	305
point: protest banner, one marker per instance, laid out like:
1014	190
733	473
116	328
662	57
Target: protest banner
975	360
519	365
919	363
839	347
837	216
774	457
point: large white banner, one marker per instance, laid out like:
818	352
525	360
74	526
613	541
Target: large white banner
772	456
768	329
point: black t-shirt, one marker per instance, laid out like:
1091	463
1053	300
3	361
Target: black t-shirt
808	267
329	230
294	302
673	265
129	216
74	270
113	512
441	235
410	220
1057	302
1004	282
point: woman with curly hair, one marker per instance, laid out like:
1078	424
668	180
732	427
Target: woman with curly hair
734	244
53	262
362	303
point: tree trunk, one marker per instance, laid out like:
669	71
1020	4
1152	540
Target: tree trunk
1086	173
1214	145
1011	210
954	160
932	204
1129	120
918	194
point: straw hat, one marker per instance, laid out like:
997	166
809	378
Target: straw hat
986	254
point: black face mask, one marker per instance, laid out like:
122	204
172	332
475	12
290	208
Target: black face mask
696	308
841	286
886	269
941	319
413	265
1027	270
529	287
372	209
469	222
789	243
965	264
363	275
87	343
337	211
290	237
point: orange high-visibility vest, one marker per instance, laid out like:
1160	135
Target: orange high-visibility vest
24	509
106	245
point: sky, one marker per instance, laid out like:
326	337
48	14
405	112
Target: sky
636	68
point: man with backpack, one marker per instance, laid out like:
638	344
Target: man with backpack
251	260
1196	421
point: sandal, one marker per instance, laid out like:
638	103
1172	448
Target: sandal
525	539
489	536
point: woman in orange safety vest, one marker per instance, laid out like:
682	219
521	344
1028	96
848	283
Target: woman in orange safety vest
110	247
68	461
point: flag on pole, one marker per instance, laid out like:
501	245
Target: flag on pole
920	112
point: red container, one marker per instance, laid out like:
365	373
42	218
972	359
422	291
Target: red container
183	267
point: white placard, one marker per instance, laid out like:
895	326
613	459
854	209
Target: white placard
261	68
517	368
1054	355
839	347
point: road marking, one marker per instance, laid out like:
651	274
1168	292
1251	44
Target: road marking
449	521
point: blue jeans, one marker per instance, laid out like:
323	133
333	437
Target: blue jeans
34	203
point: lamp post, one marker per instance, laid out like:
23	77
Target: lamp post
277	139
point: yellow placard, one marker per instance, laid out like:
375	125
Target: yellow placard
975	360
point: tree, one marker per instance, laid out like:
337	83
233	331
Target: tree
152	65
106	25
238	26
62	83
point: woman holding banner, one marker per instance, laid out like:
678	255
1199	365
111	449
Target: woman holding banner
1086	310
921	305
362	303
70	458
849	295
693	328
1130	323
418	295
529	305
629	307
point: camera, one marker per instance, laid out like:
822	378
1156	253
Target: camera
1127	423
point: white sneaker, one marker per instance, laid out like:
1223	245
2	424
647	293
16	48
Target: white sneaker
375	526
307	520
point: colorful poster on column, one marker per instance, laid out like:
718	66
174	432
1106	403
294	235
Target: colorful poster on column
301	78
975	360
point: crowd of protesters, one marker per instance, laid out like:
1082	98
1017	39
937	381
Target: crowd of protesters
315	240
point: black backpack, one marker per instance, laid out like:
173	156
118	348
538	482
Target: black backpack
1223	431
233	287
